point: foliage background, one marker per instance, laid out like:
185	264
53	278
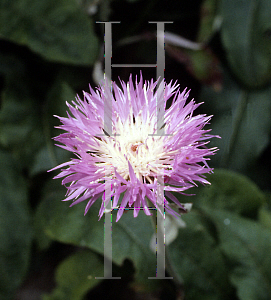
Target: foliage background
51	50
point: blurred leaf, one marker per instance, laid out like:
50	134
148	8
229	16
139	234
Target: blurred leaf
43	214
49	156
20	124
131	236
57	30
75	276
247	245
60	93
205	67
196	258
171	226
76	77
246	38
228	190
11	64
265	217
242	119
201	64
207	16
42	240
15	229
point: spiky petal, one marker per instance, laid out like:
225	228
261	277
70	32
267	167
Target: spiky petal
133	158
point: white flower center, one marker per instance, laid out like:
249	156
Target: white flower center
131	141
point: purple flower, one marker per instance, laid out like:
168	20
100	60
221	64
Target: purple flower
133	158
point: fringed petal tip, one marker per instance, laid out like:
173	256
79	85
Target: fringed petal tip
132	159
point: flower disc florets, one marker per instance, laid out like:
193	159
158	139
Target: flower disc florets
133	158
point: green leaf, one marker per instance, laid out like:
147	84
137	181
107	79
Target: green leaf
247	245
196	258
205	67
75	276
50	156
246	38
57	30
20	123
15	228
242	119
265	217
60	93
228	190
208	13
47	158
131	236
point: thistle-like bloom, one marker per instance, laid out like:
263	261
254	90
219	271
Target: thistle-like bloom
133	159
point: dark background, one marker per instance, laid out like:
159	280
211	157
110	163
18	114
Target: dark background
50	51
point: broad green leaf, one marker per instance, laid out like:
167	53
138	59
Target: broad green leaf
131	236
57	30
247	245
75	276
47	158
50	156
242	119
15	228
60	93
20	122
196	257
265	217
245	33
228	190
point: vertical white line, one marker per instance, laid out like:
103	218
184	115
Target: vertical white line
108	129
160	108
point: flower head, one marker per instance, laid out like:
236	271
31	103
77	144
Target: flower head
133	157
